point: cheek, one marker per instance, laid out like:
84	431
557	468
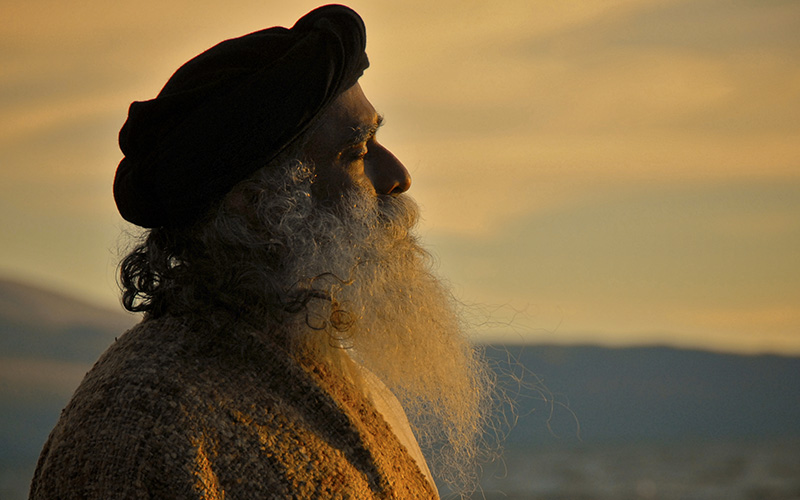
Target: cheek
359	178
335	179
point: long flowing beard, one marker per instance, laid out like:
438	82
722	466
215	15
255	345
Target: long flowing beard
369	290
408	332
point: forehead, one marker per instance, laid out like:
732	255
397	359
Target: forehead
343	124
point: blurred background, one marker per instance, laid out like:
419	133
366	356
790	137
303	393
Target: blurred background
623	175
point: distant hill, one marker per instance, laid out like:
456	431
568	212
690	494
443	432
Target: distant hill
582	395
39	323
564	396
47	343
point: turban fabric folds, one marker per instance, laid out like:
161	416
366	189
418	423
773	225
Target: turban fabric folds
229	111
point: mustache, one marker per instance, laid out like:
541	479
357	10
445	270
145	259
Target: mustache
399	213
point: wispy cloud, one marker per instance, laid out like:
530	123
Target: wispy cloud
664	260
546	105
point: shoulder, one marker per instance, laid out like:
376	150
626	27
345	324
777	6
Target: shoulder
170	413
114	436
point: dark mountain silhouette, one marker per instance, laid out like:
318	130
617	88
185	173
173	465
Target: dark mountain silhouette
39	323
47	343
586	395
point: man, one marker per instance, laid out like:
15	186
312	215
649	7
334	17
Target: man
294	342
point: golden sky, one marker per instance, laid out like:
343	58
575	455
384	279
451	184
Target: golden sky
618	172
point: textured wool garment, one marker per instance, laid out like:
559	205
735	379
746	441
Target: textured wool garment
169	413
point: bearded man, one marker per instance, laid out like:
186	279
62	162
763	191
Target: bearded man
295	343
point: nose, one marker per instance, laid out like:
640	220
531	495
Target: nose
386	173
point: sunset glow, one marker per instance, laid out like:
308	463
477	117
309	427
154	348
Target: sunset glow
619	172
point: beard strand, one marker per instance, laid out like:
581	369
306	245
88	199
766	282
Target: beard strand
373	294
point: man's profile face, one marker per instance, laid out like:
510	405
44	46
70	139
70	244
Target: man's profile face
346	153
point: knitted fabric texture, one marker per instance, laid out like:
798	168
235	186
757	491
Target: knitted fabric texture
167	413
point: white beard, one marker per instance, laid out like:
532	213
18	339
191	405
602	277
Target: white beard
379	299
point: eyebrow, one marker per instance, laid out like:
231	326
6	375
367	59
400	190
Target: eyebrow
364	133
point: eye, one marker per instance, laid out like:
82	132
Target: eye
358	153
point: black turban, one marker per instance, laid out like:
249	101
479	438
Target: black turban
229	111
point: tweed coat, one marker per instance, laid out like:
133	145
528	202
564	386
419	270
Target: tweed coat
168	413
